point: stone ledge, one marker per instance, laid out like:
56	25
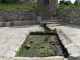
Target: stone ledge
68	44
2	24
63	37
16	23
35	58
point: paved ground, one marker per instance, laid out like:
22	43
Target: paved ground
11	38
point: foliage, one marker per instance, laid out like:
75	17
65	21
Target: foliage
15	6
62	1
54	29
76	2
9	1
68	3
65	2
69	6
54	13
42	24
34	6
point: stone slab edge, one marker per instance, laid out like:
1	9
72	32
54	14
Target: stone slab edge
67	43
16	23
34	58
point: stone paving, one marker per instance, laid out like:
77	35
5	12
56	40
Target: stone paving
11	38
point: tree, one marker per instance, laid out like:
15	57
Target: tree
62	1
9	1
76	2
68	2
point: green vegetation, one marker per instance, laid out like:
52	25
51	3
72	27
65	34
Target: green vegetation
9	1
40	46
69	6
16	6
54	14
65	2
21	49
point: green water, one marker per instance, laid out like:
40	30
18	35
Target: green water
40	46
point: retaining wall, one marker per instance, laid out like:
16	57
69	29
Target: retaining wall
69	15
29	16
17	15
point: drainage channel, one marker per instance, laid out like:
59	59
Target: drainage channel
42	44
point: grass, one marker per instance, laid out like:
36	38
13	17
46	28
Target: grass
16	6
69	6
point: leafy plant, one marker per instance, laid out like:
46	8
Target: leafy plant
42	24
54	14
55	30
15	6
10	1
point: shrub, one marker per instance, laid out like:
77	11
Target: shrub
54	13
9	1
62	1
68	3
76	2
65	2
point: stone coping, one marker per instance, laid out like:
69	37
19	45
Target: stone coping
17	23
72	49
34	58
68	44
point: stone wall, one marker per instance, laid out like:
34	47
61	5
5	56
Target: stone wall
17	15
71	16
29	16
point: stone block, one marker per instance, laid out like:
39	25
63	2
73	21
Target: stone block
39	19
2	24
7	24
16	23
24	22
11	24
74	57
